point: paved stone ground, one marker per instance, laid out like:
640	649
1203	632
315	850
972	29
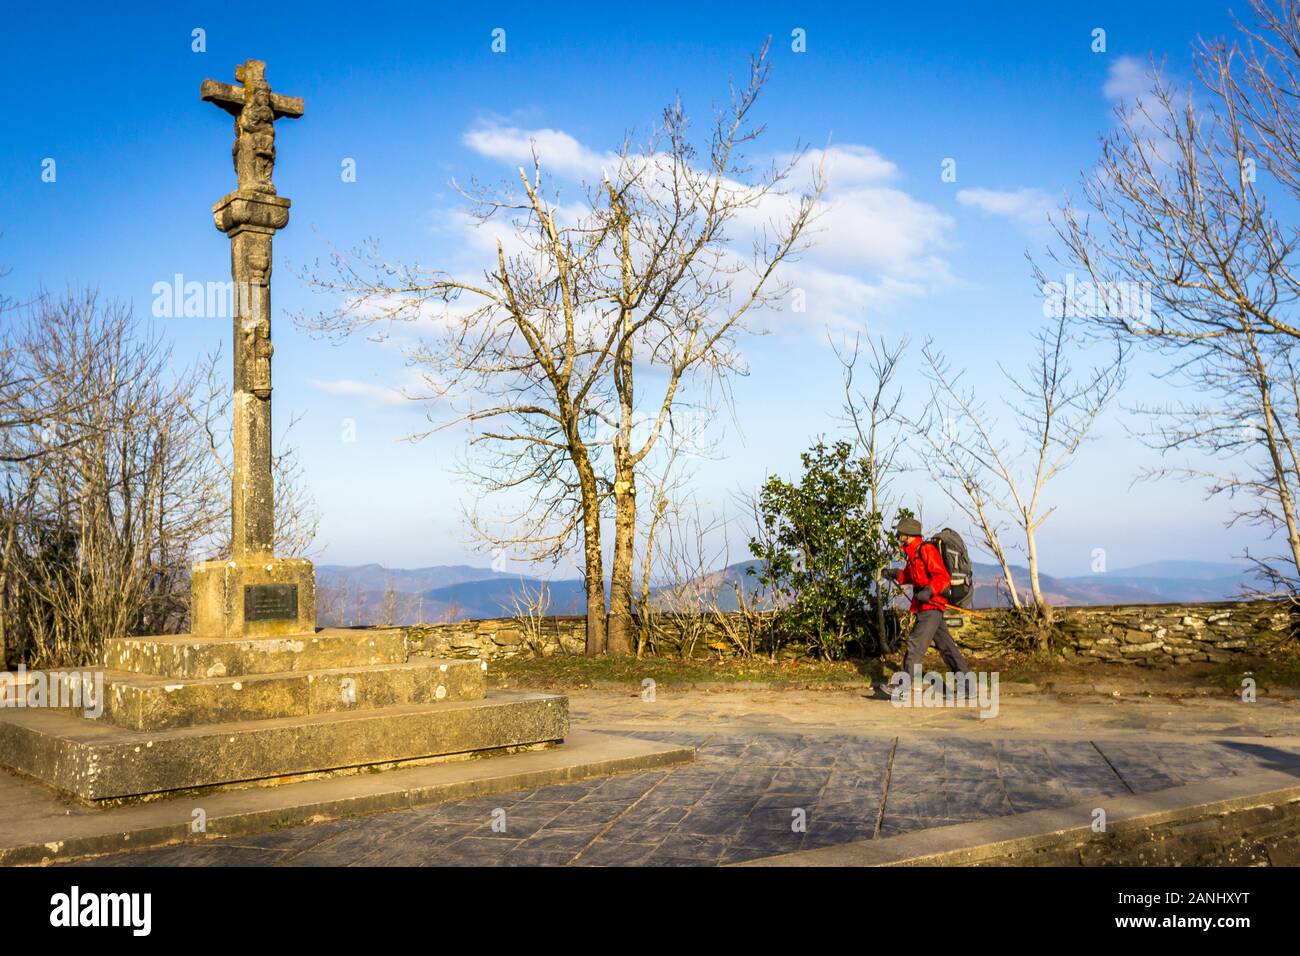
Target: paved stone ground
751	785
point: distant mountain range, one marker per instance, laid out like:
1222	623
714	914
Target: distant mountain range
374	594
1154	583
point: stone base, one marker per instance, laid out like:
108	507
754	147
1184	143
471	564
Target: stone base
274	597
151	704
101	763
187	713
187	657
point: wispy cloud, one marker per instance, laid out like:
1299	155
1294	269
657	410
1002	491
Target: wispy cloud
559	151
1028	207
1130	87
351	388
1126	79
849	165
874	242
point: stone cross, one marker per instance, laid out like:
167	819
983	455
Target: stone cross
250	216
255	109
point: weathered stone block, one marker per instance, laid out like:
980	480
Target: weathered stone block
152	703
246	209
249	599
182	656
96	761
1140	648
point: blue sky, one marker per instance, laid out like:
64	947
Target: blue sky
415	96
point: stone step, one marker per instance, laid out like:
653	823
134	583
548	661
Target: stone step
188	657
99	762
148	703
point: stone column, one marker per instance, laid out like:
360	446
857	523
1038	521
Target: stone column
251	221
254	594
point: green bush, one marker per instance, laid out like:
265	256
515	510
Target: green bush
820	546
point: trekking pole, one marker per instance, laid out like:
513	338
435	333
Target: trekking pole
966	610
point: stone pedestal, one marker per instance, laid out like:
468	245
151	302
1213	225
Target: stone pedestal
187	714
246	598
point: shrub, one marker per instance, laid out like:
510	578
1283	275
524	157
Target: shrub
820	546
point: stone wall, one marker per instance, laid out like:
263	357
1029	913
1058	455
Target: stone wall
510	637
1142	634
1158	634
499	637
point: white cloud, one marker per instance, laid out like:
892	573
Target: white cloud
1130	87
874	242
351	388
846	166
559	152
1028	207
1126	79
883	233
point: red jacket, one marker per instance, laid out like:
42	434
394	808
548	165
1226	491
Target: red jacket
924	568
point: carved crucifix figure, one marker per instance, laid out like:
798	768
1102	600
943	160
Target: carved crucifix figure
255	109
250	216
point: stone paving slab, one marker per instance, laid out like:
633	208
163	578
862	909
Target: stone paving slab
38	826
749	795
1061	830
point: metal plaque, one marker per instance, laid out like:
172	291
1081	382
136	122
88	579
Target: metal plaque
270	602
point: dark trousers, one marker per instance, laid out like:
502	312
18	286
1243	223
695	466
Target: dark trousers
930	626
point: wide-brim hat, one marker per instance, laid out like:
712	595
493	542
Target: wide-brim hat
908	526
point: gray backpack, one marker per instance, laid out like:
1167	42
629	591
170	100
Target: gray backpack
956	559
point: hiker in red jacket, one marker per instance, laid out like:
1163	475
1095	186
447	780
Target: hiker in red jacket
929	579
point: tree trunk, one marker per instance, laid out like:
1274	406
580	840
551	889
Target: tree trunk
1264	385
1043	609
878	575
4	613
995	546
620	583
593	562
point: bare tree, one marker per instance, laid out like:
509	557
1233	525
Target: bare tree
115	489
683	295
1241	435
1054	412
29	409
664	502
388	609
451	612
1177	208
690	558
876	419
532	607
958	471
113	480
543	356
